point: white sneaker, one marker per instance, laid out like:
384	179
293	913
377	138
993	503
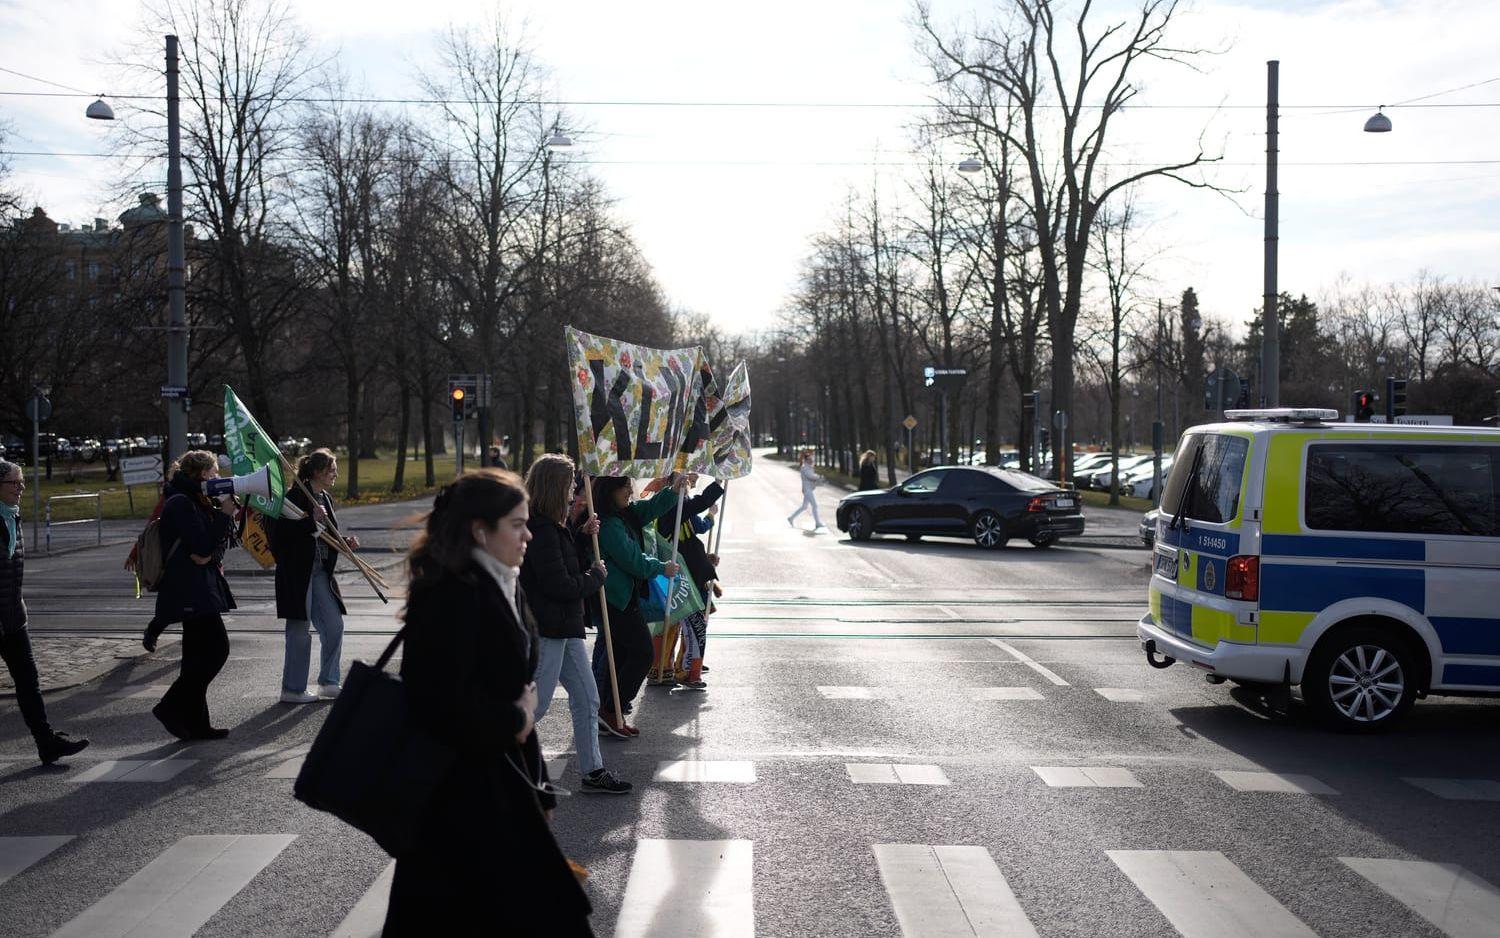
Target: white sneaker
328	691
293	697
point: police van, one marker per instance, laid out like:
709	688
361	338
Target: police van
1359	562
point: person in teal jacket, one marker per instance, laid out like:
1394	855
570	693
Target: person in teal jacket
630	568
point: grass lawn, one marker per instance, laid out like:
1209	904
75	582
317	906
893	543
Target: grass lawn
1101	500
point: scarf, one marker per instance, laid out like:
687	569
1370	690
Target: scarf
11	515
506	578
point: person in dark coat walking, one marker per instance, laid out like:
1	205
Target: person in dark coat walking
702	567
486	861
306	591
556	584
195	532
15	642
869	471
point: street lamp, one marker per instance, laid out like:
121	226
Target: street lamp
970	165
1378	122
559	141
177	330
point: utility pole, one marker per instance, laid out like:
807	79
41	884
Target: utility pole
177	330
1156	427
1270	342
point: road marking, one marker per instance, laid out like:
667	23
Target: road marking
140	691
556	766
1459	789
1274	781
132	770
1086	776
367	918
856	693
689	889
947	891
290	768
1121	694
886	773
1450	897
17	853
175	894
1024	659
1004	693
1204	895
694	770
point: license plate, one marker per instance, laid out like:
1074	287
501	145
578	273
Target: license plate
1065	503
1166	565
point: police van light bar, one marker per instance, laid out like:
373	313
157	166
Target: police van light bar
1285	414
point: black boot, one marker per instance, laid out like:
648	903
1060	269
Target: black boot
171	722
153	632
59	746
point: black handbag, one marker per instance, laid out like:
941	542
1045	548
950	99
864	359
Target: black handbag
372	765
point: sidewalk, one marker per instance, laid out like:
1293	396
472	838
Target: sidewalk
67	661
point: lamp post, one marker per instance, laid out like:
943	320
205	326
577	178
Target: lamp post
177	329
1270	346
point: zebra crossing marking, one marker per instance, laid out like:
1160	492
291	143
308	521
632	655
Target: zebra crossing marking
695	770
1459	789
288	768
1454	900
367	918
140	692
689	889
176	893
1004	693
556	765
887	773
1086	776
855	693
1121	694
1028	661
18	853
1204	895
1286	783
132	770
947	891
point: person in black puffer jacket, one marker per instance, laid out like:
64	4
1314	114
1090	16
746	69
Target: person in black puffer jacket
15	643
557	585
195	533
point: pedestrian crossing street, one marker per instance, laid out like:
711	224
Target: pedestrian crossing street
933	890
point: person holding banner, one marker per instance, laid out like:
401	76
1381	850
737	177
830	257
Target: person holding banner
622	543
700	566
306	591
195	533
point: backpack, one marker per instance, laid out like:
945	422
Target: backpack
150	562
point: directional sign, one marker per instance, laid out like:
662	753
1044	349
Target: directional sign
140	470
171	392
910	422
944	379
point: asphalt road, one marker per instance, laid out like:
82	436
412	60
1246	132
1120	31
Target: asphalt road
921	739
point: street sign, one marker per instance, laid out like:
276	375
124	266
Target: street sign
38	409
140	470
1418	420
944	379
910	422
172	392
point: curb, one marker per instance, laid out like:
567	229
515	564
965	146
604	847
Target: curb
80	678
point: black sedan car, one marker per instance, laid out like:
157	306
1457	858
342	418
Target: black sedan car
988	504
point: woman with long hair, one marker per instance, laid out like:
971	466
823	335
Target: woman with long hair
195	532
306	591
486	861
556	584
869	471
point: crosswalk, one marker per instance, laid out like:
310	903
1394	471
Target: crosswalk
706	889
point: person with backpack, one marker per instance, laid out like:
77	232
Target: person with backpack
15	642
194	532
147	543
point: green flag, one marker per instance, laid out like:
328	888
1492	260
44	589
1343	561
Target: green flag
249	448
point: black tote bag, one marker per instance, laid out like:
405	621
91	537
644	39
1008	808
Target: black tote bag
372	765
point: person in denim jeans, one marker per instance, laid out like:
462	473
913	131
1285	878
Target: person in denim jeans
306	591
556	584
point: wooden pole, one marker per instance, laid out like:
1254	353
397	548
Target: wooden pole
723	513
609	644
666	626
338	540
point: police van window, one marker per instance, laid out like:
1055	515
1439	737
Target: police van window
1403	489
1214	495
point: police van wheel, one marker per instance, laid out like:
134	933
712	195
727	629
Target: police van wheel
1361	679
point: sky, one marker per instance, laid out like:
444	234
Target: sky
724	199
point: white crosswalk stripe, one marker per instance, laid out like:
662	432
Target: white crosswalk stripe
1004	693
132	770
1121	694
694	770
1274	782
689	889
1204	895
1028	661
1086	776
367	918
289	768
885	773
556	765
177	892
949	891
1450	897
18	853
1459	789
855	693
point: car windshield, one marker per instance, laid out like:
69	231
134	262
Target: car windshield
1214	495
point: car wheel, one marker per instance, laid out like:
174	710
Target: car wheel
913	538
861	524
1361	679
1043	540
988	530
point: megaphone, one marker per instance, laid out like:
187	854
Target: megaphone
256	483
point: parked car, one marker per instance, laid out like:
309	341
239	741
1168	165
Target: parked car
289	445
1141	482
1148	527
1103	477
88	449
990	505
216	442
197	440
1084	463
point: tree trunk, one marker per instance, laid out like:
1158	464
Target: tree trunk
399	481
351	433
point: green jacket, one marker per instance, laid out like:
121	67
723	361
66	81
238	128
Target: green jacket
624	553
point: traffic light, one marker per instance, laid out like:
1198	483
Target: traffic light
1395	399
1363	406
456	397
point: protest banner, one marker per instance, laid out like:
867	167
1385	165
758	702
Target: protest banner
729	428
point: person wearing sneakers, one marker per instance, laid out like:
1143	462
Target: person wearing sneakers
700	566
810	480
630	568
15	642
556	584
306	591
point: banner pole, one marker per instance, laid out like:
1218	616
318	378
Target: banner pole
609	644
723	514
338	541
666	626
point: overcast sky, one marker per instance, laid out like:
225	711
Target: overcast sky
724	199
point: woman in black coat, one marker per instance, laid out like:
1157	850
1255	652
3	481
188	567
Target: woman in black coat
487	862
869	471
195	532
